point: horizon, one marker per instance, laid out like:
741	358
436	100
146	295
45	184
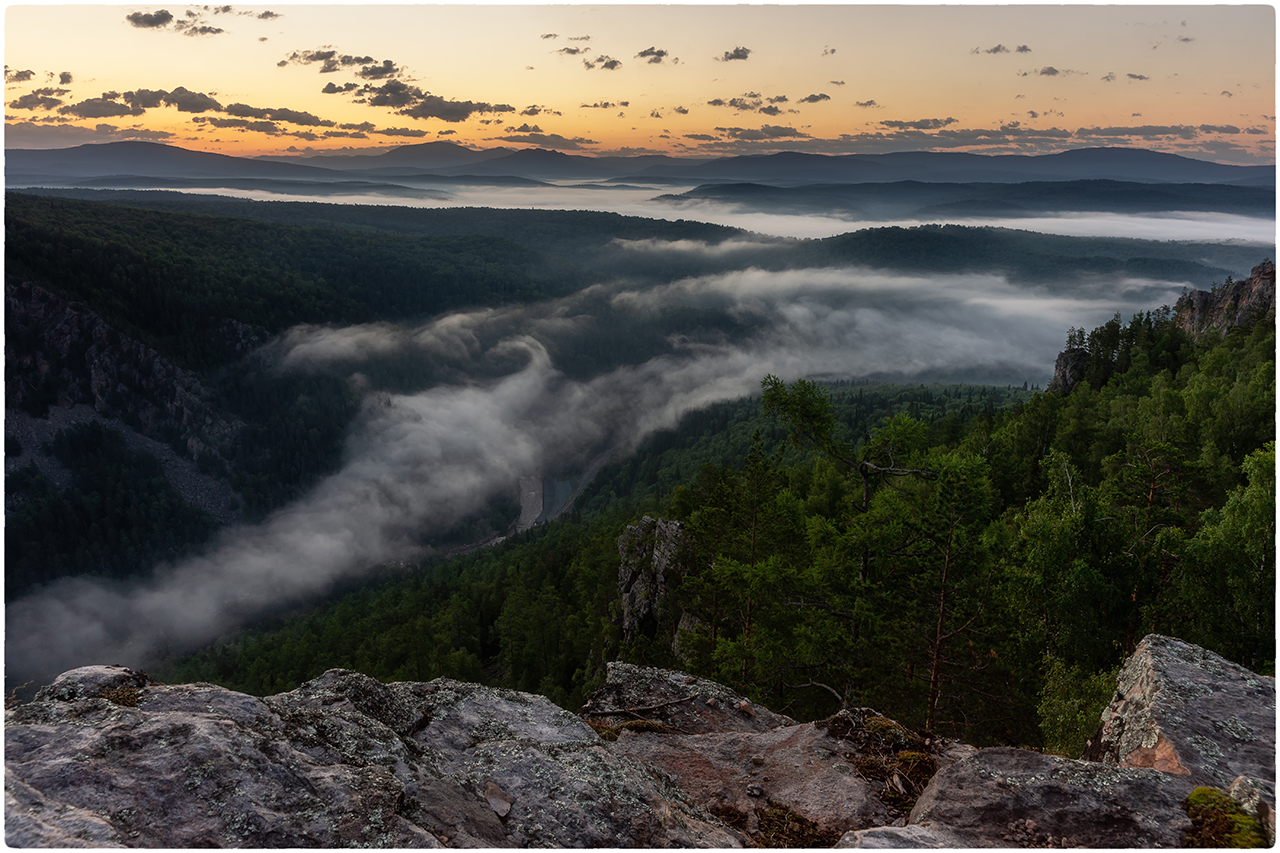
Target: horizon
682	81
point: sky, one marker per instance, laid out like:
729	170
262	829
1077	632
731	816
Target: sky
685	80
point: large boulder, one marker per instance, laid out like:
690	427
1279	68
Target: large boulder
106	756
1006	797
1184	710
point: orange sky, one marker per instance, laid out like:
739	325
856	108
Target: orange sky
704	80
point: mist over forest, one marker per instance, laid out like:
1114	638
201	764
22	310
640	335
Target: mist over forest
548	337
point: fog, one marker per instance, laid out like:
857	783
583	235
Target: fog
639	201
422	459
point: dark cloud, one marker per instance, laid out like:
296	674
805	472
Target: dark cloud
40	99
524	128
1137	77
571	51
768	131
579	38
1185	39
330	60
1228	94
411	132
549	35
1109	77
549	140
538	109
332	89
382	71
997	49
187	101
1219	128
608	63
813	99
146	99
149	20
827	51
736	53
770	110
655	114
363	127
100	108
203	30
680	110
781	99
1022	48
268	16
1256	131
393	93
866	104
702	137
836	82
434	106
1048	71
17	76
604	105
449	132
653	54
64	79
921	124
221	10
1033	113
1181	131
246	111
268	127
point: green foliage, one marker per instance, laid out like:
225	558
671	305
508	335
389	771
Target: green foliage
118	518
1218	821
1071	705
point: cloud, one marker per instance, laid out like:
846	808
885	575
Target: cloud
100	108
608	63
187	101
1048	71
17	76
549	35
768	131
779	99
524	128
813	99
537	109
604	105
828	51
1228	94
1137	77
411	132
1022	48
434	106
921	124
579	38
1181	131
379	71
653	54
1109	77
1185	39
149	20
571	51
64	78
449	132
268	16
736	53
1033	113
31	134
702	137
655	114
866	104
203	30
1219	128
278	114
836	82
330	60
770	110
549	140
331	89
997	49
39	99
680	111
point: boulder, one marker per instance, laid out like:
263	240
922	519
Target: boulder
684	703
106	756
1186	711
1005	797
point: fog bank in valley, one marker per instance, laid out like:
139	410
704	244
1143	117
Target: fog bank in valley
496	403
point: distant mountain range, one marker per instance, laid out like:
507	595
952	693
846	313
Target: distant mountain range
71	166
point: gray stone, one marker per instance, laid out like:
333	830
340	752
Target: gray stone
1006	797
1184	710
898	838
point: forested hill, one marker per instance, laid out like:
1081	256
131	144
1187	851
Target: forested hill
166	277
962	564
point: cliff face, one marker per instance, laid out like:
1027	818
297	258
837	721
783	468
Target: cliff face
106	757
1234	303
59	352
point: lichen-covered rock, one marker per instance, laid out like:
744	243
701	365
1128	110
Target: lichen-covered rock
1006	797
901	837
1233	303
1256	796
687	704
648	554
1069	369
1184	710
106	756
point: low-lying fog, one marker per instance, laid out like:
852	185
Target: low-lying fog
639	201
423	459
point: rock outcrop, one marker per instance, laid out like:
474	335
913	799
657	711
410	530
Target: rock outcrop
649	553
67	354
106	757
1068	370
1233	303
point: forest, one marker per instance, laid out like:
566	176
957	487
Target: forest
973	560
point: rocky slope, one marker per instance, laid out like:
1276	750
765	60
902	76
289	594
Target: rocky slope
106	757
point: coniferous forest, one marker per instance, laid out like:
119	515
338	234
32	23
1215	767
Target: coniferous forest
974	560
